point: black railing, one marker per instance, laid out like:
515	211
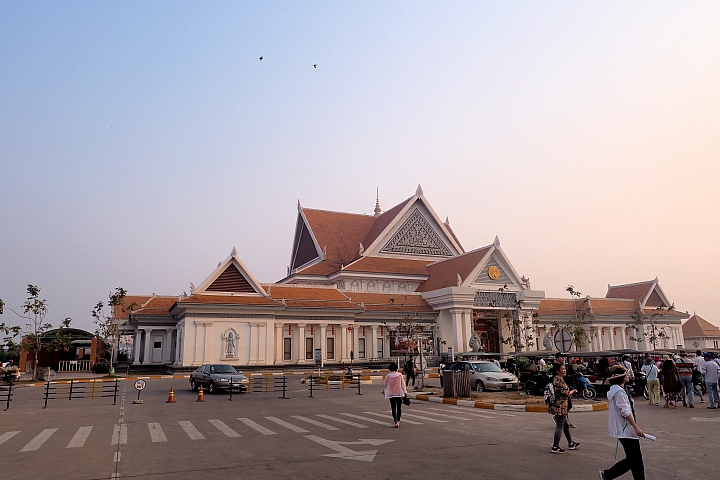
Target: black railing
75	390
332	382
263	384
6	395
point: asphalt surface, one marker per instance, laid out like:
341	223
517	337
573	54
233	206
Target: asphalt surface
336	434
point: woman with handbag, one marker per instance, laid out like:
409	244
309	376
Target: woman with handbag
395	391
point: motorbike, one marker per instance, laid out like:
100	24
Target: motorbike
9	373
584	387
535	385
638	387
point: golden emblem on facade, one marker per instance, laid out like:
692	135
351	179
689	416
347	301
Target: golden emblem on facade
494	272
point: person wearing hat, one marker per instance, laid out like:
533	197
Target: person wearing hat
621	425
711	370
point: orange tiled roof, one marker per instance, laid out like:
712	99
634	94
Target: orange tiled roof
612	306
389	265
699	327
311	297
382	302
229	300
340	232
157	305
559	306
636	291
137	300
382	222
325	268
444	273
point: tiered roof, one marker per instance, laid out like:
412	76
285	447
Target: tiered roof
699	327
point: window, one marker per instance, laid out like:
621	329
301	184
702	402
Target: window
287	348
371	286
330	348
380	344
354	286
387	287
157	344
361	348
309	348
402	287
715	342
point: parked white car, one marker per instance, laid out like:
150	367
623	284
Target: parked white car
485	375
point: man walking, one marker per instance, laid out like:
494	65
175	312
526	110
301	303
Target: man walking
699	362
711	370
685	370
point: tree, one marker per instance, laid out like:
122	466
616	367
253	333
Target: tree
520	332
34	336
109	327
581	317
409	327
647	327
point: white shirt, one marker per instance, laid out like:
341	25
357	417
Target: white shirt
394	385
651	371
711	371
699	362
628	367
541	362
619	410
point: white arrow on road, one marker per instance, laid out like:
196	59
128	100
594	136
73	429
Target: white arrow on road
344	452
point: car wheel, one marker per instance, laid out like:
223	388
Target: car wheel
479	386
193	385
530	388
211	387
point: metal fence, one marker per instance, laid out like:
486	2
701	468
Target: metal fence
6	394
74	366
331	382
74	390
264	384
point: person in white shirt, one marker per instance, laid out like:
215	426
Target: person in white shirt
541	362
711	370
621	425
699	362
653	381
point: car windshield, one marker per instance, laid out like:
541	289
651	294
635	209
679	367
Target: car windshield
223	369
486	367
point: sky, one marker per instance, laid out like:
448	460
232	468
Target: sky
141	141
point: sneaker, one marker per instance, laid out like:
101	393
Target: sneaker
692	406
602	475
557	450
573	446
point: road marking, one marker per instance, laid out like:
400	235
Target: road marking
315	422
366	419
705	419
7	436
287	425
80	437
421	417
117	457
256	427
482	415
229	432
384	416
37	442
114	476
191	431
446	416
119	436
346	453
341	420
156	433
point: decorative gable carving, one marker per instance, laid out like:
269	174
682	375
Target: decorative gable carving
493	272
231	281
417	237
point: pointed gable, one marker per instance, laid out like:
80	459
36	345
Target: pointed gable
445	272
635	291
231	281
338	234
494	272
417	237
699	327
304	248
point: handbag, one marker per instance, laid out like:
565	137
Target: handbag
406	400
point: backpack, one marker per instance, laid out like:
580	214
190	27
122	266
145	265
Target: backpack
549	393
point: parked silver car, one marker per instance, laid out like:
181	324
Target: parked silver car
486	375
218	377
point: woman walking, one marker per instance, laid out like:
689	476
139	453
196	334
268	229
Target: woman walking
559	409
395	391
621	425
671	384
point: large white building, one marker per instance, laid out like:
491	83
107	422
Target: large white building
353	279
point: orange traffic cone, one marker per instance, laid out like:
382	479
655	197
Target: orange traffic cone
201	395
171	397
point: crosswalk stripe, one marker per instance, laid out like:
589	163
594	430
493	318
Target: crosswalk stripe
484	411
315	422
7	436
445	415
119	435
257	427
421	417
366	419
287	425
156	433
80	437
229	432
384	416
341	420
191	431
37	442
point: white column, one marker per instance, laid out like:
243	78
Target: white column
254	343
137	344
345	355
148	342
206	353
301	343
373	342
279	344
611	341
167	358
457	339
323	341
468	329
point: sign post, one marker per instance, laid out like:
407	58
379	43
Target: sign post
318	359
450	354
139	386
562	340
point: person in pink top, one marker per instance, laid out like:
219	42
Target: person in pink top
395	391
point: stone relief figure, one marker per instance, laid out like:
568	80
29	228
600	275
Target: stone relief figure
547	341
475	342
525	282
230	345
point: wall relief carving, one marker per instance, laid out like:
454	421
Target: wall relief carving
417	237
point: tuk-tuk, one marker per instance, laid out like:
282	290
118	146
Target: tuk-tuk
9	373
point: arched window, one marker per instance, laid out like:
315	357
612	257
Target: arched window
387	287
402	287
354	286
371	286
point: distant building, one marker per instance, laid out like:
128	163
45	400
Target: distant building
700	334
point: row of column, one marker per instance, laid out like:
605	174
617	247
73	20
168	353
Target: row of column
345	341
145	334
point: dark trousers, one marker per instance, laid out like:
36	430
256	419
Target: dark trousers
396	406
561	426
633	461
407	379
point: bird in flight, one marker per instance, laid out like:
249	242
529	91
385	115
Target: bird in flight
260	58
314	65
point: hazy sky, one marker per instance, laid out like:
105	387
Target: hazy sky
141	141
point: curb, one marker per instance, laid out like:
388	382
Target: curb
595	407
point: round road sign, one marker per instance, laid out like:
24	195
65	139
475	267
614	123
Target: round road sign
140	385
562	340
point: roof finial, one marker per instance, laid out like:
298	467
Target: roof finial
378	210
234	252
459	280
447	221
496	242
419	191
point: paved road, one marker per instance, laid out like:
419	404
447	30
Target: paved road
337	434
